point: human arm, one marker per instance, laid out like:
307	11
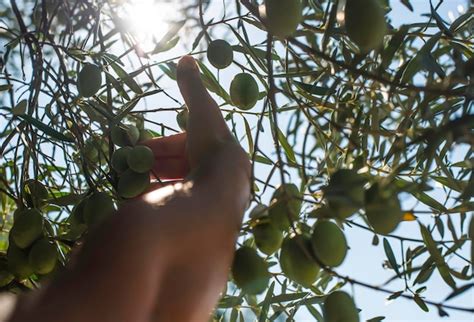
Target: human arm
165	255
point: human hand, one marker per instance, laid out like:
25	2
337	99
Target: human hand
206	140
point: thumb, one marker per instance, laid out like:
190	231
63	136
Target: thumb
206	127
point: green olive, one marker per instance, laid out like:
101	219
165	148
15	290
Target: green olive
249	271
125	135
141	159
345	192
244	91
328	243
339	307
383	210
296	261
285	206
365	23
132	184
182	119
89	80
43	257
98	207
27	228
119	159
267	237
18	262
283	16
220	53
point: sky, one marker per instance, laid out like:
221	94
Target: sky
364	261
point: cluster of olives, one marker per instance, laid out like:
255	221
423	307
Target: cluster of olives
30	250
346	194
131	161
300	255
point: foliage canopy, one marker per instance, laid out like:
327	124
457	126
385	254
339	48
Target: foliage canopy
370	128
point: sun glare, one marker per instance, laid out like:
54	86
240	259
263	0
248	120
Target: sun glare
148	21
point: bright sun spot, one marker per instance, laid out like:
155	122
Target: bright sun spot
148	21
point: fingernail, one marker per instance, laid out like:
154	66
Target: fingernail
187	63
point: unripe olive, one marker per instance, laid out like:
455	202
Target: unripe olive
125	135
283	16
43	256
182	119
27	228
267	237
345	192
97	208
383	210
244	91
89	80
285	206
132	184
296	261
328	243
18	262
339	307
220	53
365	23
141	159
249	271
119	159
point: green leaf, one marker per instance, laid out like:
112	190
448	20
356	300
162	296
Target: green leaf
212	84
290	154
162	47
429	201
436	255
124	76
265	305
46	129
376	319
407	4
288	297
419	301
391	257
20	107
314	89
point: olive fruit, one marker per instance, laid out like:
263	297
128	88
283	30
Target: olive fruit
244	91
182	119
365	23
89	80
249	271
125	135
132	184
97	208
77	225
296	261
220	53
267	237
328	243
383	210
43	257
35	192
119	159
90	151
27	228
18	263
259	211
283	16
285	206
345	192
141	159
339	307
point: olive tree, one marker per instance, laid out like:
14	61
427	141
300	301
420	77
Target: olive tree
351	120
